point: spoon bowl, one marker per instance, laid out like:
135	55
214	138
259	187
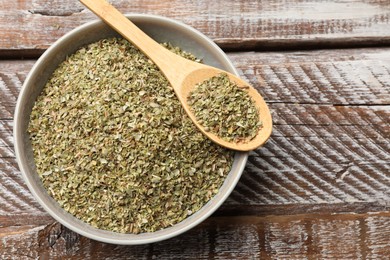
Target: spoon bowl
206	72
183	74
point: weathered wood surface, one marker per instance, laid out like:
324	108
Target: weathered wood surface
330	144
29	26
329	153
319	189
307	236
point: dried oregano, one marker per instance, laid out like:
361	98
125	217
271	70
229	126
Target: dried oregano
225	109
114	147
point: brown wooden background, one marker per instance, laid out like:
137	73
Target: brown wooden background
320	188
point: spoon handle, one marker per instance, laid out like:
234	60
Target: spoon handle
132	33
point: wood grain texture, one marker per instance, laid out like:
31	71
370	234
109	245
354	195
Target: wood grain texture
12	75
331	138
319	189
330	143
232	24
328	157
307	236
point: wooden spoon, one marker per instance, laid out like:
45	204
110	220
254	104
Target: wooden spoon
183	74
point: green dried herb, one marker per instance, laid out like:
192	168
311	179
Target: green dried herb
225	109
114	147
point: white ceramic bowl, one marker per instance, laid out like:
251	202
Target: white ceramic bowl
163	30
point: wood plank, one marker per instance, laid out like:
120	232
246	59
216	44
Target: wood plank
12	75
305	236
324	151
15	198
328	155
339	77
330	145
253	24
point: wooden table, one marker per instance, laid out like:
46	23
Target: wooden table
320	187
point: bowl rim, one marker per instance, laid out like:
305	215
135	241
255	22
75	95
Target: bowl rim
132	239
